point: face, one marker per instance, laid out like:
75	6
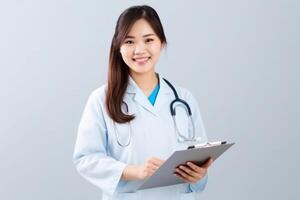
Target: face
141	48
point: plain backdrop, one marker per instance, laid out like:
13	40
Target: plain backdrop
239	58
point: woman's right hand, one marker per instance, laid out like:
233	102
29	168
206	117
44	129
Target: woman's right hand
149	167
140	172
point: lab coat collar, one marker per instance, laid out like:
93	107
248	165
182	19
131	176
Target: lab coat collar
134	88
142	99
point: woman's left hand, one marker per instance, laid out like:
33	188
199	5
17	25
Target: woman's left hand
192	173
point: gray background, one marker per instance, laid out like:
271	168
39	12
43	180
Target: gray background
239	58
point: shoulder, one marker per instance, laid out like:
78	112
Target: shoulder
184	93
99	93
97	96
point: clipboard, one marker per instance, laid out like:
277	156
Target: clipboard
164	175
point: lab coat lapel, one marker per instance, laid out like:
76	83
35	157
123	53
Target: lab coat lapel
139	96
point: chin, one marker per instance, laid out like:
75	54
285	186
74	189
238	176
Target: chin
140	69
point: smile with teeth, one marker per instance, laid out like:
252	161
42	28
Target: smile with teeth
141	60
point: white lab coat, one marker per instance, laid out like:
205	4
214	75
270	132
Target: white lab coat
101	160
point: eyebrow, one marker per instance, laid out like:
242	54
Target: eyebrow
147	35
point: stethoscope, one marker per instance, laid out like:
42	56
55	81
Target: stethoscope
173	105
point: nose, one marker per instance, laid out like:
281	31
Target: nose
139	48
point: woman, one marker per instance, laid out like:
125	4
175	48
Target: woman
127	130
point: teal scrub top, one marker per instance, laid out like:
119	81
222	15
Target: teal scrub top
153	95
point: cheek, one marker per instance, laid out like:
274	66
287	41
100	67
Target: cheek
155	52
155	49
126	55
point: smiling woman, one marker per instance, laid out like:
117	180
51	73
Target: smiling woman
139	35
141	50
127	131
142	46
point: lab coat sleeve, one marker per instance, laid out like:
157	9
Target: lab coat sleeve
199	125
90	154
199	186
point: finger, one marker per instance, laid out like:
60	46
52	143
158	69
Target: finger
186	176
149	171
196	168
207	163
151	166
156	161
189	171
181	178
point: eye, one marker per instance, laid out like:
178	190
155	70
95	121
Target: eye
128	42
149	40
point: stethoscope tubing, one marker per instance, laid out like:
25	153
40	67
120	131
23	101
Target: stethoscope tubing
173	114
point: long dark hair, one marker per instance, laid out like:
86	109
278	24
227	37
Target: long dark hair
118	71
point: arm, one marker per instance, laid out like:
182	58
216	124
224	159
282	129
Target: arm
90	155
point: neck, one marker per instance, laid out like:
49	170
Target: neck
146	82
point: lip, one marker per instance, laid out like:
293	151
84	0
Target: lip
141	59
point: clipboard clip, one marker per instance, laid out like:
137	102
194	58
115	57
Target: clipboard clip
208	144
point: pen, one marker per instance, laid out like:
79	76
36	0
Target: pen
207	144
